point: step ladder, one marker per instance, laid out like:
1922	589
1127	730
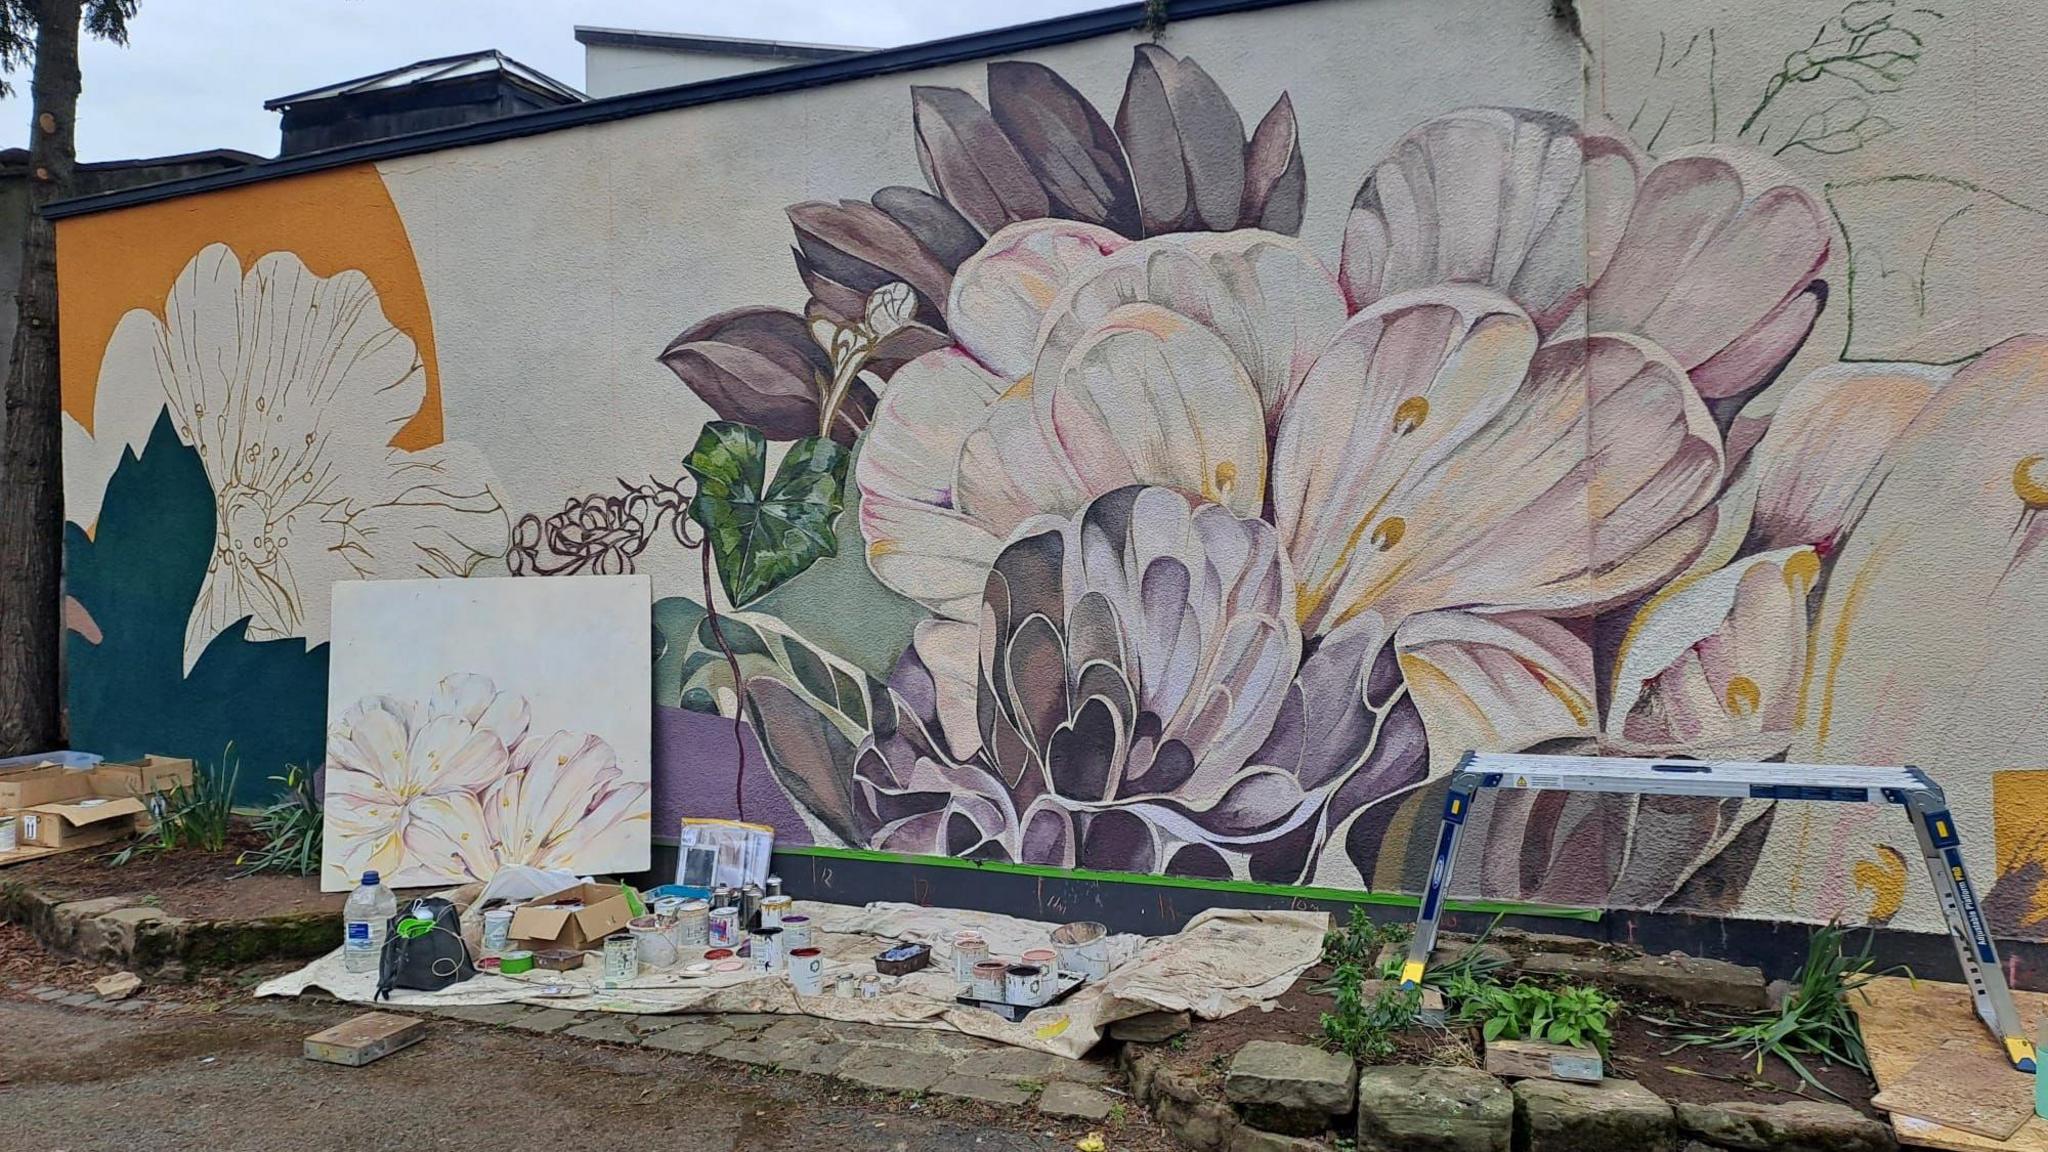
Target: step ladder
1841	783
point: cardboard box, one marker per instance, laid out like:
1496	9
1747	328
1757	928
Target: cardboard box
548	922
51	784
78	823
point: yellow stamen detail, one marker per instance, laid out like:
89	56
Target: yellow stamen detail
1410	414
2032	492
1388	532
1743	697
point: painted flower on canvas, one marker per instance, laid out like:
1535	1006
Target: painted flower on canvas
290	386
456	786
1231	546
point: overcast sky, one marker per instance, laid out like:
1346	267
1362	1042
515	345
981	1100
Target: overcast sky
195	73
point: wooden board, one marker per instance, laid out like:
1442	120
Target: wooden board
366	1038
1904	1024
1963	1087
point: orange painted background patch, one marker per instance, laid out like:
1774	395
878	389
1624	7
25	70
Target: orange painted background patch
111	262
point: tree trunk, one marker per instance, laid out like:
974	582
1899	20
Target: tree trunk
31	505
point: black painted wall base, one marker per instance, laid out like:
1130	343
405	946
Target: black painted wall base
1156	910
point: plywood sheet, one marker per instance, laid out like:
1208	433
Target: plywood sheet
1964	1087
1904	1023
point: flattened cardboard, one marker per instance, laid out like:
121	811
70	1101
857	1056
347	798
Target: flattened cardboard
542	923
53	783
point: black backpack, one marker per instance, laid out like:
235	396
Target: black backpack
423	948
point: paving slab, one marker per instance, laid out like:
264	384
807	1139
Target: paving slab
1007	1063
893	1071
546	1021
1075	1100
486	1013
982	1088
823	1059
758	1051
689	1036
609	1028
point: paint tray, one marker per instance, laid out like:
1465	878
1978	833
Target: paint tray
1014	1013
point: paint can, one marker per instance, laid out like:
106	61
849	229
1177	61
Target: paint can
1083	947
750	907
871	987
767	951
497	929
693	924
969	949
796	931
9	838
664	910
845	985
773	909
1044	958
724	927
988	980
515	962
807	971
621	960
1025	985
652	945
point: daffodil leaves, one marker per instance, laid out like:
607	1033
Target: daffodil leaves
764	534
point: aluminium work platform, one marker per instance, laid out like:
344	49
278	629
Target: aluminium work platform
1908	787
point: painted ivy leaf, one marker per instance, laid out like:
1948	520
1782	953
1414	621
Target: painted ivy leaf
764	534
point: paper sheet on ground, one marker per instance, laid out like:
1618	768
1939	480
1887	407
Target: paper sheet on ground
1223	961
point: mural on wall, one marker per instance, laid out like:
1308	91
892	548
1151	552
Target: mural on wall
1226	543
475	724
1105	505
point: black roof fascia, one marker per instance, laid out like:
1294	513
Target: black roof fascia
713	45
881	62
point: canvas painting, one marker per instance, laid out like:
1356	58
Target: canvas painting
474	724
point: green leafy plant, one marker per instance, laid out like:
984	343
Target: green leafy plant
1474	961
195	815
1815	1021
1575	1014
1363	1028
1361	941
763	533
291	828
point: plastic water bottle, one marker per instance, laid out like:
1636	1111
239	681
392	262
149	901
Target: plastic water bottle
364	919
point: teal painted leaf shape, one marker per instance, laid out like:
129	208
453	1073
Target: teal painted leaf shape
764	534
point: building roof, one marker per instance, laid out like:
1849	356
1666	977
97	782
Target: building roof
469	64
712	45
1121	20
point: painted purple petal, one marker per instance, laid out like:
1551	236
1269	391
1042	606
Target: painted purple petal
1275	178
855	244
1117	841
940	227
1066	144
758	366
968	160
1185	142
1082	755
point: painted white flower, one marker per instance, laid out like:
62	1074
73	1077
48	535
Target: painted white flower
455	787
290	386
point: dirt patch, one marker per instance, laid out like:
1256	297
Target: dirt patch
1644	1043
194	885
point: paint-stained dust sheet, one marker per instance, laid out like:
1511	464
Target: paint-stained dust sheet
1223	961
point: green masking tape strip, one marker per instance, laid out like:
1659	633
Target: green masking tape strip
1338	895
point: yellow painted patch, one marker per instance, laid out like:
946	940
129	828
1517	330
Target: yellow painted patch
111	263
1057	1026
1884	879
2019	831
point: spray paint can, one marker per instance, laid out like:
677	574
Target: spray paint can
750	907
774	886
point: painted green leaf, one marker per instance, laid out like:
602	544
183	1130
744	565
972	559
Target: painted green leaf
764	534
